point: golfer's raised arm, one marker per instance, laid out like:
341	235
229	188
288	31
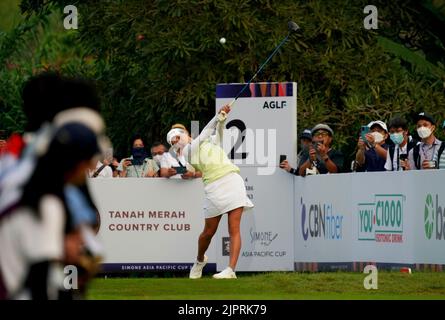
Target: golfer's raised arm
208	131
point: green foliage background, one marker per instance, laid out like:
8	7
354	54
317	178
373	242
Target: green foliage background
158	62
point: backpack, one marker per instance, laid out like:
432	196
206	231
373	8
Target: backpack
417	157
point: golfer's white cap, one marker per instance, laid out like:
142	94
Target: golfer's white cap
173	133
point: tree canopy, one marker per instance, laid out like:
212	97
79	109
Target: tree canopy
158	62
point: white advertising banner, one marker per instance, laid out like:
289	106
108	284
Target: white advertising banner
323	224
383	217
429	217
388	218
149	224
329	222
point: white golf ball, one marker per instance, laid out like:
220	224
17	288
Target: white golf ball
222	40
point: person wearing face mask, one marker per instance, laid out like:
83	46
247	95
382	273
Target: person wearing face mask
138	165
396	159
164	160
305	141
426	154
225	190
371	154
167	163
321	157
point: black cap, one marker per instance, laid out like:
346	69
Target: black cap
306	134
425	116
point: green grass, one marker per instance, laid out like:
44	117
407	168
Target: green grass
274	286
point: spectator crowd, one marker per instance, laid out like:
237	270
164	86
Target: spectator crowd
380	147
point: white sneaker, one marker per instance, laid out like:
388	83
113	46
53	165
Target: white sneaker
196	270
227	273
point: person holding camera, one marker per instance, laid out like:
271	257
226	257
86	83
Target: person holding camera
424	156
321	158
372	148
138	165
396	159
305	141
171	167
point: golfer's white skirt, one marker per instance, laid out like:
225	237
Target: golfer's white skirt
224	195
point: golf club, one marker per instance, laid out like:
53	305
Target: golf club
292	27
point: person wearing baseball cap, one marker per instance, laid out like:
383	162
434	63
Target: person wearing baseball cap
371	154
426	154
305	140
402	144
321	158
306	135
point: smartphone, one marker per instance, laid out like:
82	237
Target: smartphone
315	145
282	157
131	161
180	170
364	130
403	157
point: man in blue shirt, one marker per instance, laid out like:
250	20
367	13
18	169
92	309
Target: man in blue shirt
371	154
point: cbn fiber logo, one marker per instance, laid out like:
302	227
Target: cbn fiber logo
381	220
433	219
429	216
319	221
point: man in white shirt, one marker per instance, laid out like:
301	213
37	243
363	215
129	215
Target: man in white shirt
168	163
425	155
397	153
103	170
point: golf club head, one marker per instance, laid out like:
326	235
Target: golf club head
292	26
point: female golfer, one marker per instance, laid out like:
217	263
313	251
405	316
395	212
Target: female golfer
225	191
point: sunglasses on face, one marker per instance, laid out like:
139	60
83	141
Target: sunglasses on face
321	134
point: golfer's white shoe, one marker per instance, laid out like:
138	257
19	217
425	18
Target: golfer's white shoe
227	273
196	270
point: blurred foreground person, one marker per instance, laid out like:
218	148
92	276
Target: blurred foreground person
40	235
49	102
